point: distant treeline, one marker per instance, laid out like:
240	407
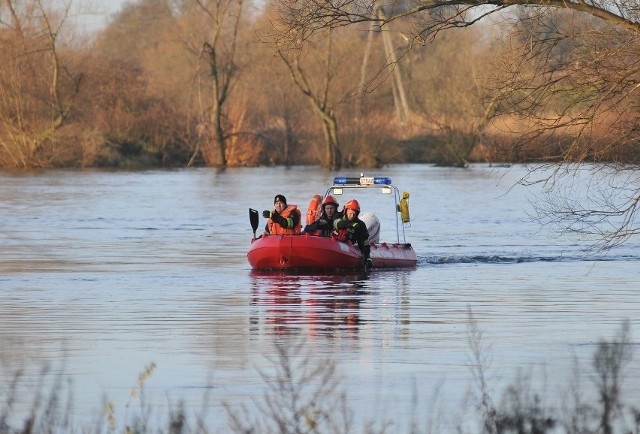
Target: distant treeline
166	85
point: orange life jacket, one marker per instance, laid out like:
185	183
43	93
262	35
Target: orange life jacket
314	209
276	229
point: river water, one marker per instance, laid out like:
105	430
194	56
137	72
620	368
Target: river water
103	273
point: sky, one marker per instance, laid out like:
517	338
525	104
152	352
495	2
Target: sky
92	15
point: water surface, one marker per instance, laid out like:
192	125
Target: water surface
103	273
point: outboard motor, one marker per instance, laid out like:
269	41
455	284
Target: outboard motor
373	226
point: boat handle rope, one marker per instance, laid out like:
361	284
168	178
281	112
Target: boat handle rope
284	260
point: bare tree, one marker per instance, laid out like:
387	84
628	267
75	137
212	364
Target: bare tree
139	88
37	86
399	94
571	83
304	17
449	91
566	82
318	92
212	32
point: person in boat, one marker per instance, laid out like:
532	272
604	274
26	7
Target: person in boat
350	228
324	225
284	219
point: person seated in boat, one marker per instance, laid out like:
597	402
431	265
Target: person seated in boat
284	219
324	225
350	228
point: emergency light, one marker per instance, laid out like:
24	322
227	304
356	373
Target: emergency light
363	180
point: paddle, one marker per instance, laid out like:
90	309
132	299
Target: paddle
254	218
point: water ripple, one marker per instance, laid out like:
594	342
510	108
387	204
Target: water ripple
515	259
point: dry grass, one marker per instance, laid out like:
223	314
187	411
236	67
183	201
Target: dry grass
303	394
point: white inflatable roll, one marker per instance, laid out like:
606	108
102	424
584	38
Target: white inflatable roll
373	226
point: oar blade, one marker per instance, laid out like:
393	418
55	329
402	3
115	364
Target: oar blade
254	218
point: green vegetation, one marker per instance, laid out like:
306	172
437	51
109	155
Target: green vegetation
303	395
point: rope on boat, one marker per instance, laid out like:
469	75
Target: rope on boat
284	260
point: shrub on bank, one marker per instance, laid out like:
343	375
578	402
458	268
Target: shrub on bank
304	395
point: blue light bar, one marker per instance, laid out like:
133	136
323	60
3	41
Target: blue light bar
340	180
378	180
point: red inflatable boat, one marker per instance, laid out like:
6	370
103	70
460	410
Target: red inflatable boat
308	252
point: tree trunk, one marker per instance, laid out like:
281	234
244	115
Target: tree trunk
217	133
319	103
363	71
330	126
218	136
399	95
288	134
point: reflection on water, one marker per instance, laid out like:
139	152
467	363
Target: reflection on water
320	305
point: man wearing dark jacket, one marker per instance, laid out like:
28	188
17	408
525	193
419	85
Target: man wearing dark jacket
351	228
324	225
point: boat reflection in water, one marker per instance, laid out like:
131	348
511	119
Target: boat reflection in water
326	305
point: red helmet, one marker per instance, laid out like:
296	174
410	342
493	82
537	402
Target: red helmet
352	204
329	200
